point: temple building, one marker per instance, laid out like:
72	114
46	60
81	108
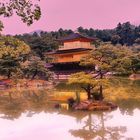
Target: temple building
72	48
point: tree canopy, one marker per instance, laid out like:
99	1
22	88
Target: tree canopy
108	58
25	9
87	83
34	67
39	43
12	52
16	60
124	34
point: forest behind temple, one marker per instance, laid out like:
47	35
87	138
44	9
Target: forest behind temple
124	34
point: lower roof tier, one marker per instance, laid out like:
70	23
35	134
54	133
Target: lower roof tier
69	51
69	66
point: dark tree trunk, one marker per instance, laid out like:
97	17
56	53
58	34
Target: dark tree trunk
34	75
89	92
101	87
101	93
134	71
89	95
9	74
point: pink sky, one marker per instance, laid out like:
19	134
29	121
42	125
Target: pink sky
70	14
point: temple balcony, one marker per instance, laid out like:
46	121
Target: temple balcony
75	47
64	60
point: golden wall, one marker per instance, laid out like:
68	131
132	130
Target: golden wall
75	44
71	57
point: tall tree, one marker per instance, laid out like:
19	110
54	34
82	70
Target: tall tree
85	81
39	43
126	33
115	39
108	58
34	67
12	53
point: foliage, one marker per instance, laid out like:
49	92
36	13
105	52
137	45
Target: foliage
43	41
115	39
124	34
108	58
135	65
26	9
1	26
34	67
16	60
12	47
87	82
39	43
81	78
137	41
12	52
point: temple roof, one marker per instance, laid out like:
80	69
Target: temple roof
74	36
69	51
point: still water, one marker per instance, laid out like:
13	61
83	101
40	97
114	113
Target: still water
30	115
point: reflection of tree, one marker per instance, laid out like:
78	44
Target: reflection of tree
13	105
95	128
128	106
125	94
11	109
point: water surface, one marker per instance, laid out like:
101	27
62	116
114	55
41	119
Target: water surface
30	115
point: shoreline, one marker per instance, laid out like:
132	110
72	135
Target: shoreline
24	83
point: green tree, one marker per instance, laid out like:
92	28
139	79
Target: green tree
87	83
135	62
115	39
34	67
12	53
108	58
126	32
137	41
1	26
39	43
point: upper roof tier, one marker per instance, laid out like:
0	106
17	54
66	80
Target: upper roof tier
76	36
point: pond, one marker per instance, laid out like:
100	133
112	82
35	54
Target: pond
29	114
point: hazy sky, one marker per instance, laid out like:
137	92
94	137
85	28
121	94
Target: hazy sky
70	14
